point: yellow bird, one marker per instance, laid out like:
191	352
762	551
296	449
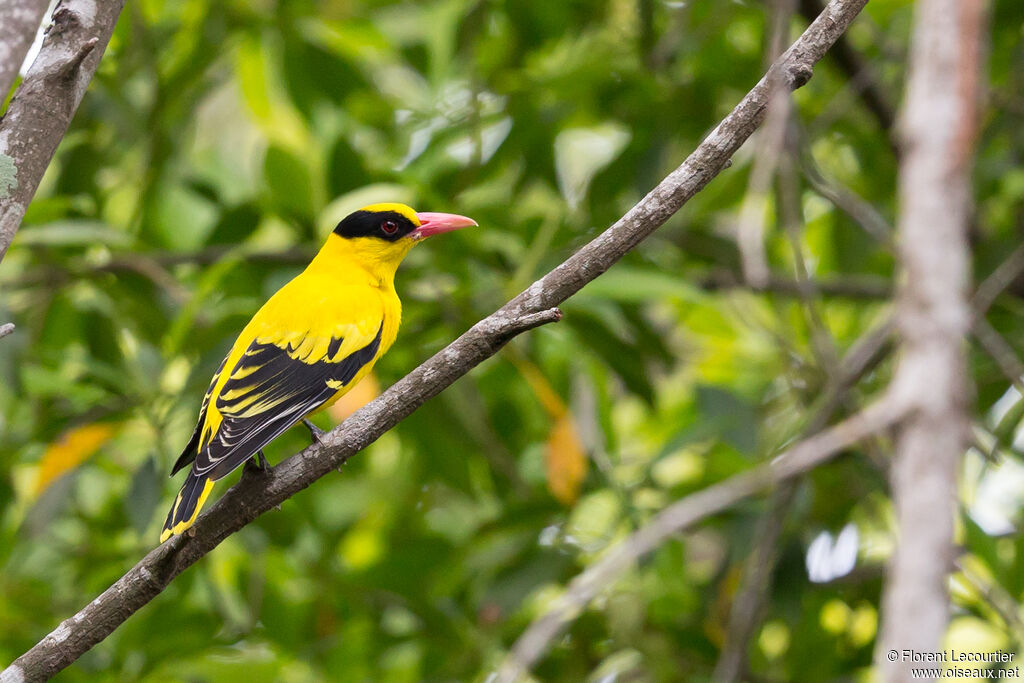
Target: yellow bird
309	344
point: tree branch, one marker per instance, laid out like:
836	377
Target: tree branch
257	493
684	513
1000	351
868	287
45	103
771	143
938	128
748	603
998	281
861	211
19	22
154	264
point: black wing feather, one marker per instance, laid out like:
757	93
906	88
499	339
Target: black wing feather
297	388
188	454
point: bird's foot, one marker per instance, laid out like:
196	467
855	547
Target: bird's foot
316	434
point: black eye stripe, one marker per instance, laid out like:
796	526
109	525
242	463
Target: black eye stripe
389	226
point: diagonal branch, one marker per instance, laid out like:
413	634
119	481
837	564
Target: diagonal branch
745	613
255	493
19	22
45	103
682	514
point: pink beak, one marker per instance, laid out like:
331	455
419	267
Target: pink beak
436	223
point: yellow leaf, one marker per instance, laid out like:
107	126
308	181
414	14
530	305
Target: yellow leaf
565	456
542	389
566	460
357	397
67	452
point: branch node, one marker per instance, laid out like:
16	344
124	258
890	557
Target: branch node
799	74
63	18
532	320
69	69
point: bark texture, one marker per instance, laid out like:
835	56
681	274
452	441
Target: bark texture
46	101
19	21
937	128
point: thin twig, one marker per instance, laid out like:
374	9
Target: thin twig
997	282
791	216
859	210
750	234
1000	351
998	598
747	606
870	287
750	231
745	612
850	286
802	457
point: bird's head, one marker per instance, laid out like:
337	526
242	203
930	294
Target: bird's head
380	235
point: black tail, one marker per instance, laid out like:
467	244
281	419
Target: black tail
187	505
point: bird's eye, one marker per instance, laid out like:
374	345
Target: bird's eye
389	227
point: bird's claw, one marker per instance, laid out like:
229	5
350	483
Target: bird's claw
316	434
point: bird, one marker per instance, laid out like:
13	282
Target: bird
308	345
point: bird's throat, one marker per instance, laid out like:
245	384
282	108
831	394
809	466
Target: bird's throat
361	260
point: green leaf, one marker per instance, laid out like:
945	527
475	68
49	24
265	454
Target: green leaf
144	495
72	233
289	182
580	153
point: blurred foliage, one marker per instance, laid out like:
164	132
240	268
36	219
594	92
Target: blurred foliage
220	142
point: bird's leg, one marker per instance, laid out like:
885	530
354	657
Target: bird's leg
258	463
316	434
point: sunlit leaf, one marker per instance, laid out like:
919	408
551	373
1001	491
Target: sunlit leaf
580	153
